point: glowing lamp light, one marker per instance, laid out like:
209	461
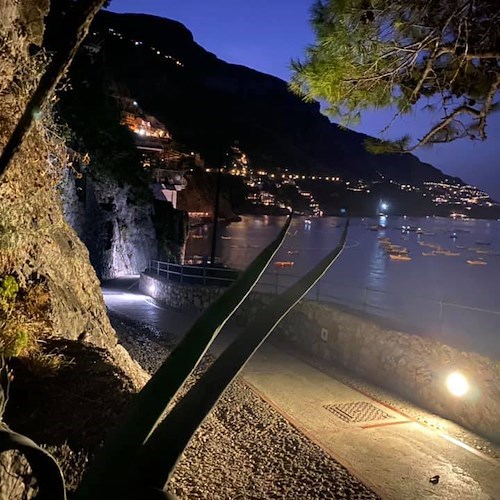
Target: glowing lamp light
457	384
384	206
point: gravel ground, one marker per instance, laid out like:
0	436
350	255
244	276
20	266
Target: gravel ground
244	449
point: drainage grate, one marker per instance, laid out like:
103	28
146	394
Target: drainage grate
361	411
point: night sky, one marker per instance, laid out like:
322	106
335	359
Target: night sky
266	35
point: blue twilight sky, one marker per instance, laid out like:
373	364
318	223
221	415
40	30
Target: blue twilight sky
267	34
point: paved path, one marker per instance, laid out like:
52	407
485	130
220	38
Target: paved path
393	454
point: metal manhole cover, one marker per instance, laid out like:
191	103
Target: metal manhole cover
361	411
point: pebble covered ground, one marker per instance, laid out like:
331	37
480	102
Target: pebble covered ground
244	449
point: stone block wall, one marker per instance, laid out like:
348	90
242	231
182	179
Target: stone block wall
412	366
185	297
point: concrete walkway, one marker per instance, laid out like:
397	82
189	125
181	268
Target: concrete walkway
391	453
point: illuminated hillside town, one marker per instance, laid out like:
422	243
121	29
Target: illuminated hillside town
171	162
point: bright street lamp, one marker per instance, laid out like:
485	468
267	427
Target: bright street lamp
457	384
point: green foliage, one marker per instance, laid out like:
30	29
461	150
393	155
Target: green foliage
383	147
8	291
22	315
379	53
14	338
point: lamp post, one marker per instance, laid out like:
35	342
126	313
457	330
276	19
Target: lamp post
382	207
215	217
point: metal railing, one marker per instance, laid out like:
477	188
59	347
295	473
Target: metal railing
443	319
193	275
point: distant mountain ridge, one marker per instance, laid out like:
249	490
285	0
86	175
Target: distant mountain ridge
208	104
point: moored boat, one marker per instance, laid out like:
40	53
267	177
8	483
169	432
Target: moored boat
448	253
399	257
284	263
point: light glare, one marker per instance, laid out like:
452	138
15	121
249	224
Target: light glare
457	384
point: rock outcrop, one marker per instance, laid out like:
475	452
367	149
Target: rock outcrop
114	223
36	242
39	250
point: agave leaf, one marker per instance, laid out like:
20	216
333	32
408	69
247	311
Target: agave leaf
48	474
163	449
150	403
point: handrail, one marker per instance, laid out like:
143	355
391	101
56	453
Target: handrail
225	276
274	283
205	275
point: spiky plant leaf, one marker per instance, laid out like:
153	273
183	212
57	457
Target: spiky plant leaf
45	469
163	449
147	407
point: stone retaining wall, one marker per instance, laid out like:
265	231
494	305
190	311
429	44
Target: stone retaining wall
185	297
413	366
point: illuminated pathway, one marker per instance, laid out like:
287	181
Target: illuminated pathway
387	448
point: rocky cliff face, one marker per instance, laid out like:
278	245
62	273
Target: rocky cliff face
115	225
38	248
36	243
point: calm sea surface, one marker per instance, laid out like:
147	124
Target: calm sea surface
439	296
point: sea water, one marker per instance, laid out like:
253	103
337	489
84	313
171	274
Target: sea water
441	296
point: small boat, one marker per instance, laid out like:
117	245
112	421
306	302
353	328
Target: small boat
477	262
462	247
399	257
402	251
430	245
284	263
307	222
292	252
396	249
448	253
453	236
483	242
428	254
